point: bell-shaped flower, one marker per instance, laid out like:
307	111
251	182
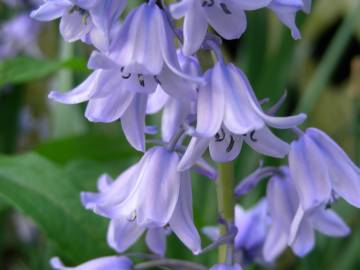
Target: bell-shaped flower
228	99
286	11
103	263
83	19
227	17
289	226
226	267
251	225
321	170
234	118
145	44
148	196
115	94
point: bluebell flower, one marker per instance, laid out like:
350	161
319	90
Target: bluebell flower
114	94
83	19
149	196
145	44
226	267
103	263
322	171
228	112
252	226
227	17
289	225
229	99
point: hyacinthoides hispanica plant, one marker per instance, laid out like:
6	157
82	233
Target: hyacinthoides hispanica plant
146	64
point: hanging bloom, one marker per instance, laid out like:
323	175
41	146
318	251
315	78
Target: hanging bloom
145	45
228	113
286	11
228	99
251	228
226	267
83	19
104	263
19	35
289	225
149	196
322	171
115	94
227	17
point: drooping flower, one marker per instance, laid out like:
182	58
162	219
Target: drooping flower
145	44
115	94
83	19
228	99
148	196
251	225
227	17
226	267
228	112
321	171
104	263
289	225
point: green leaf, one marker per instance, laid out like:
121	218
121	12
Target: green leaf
98	147
22	69
25	68
46	193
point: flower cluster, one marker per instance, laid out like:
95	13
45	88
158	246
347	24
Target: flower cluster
146	64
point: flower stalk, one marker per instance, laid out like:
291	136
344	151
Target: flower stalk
226	204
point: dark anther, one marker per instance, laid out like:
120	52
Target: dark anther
157	79
208	3
328	205
225	8
219	137
141	79
231	144
82	12
252	133
127	76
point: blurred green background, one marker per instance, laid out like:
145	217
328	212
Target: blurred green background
49	152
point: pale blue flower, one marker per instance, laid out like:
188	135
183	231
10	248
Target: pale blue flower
83	19
322	171
226	267
148	196
104	263
289	225
227	17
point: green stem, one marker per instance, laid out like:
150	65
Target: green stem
171	263
329	62
226	204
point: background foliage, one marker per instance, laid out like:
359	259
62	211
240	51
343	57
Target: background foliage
49	152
